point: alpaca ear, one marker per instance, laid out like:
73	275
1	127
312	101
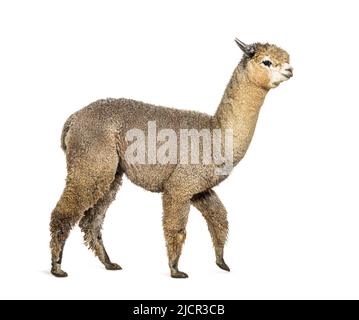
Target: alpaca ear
248	50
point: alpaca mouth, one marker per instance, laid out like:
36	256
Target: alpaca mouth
288	75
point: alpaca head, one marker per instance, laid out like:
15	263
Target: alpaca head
265	64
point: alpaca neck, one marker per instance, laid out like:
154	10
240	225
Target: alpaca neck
239	109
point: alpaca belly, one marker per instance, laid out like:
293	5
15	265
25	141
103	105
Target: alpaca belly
149	177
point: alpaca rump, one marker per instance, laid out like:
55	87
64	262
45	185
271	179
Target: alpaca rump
96	142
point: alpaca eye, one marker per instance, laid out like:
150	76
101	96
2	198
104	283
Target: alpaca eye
267	63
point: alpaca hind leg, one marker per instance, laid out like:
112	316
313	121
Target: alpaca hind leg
175	218
91	224
215	215
60	227
87	181
66	214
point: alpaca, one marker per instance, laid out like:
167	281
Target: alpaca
94	141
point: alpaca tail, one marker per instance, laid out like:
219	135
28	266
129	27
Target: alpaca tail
65	130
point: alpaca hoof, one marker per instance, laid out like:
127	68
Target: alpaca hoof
223	265
113	266
59	273
179	275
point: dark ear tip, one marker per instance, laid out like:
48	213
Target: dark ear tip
239	42
248	50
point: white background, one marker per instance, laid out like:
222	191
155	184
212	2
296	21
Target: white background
293	200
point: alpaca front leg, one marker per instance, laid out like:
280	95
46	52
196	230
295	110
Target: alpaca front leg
175	218
215	215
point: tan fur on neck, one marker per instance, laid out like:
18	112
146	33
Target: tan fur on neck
239	110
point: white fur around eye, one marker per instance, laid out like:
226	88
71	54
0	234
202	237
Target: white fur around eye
266	58
267	63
